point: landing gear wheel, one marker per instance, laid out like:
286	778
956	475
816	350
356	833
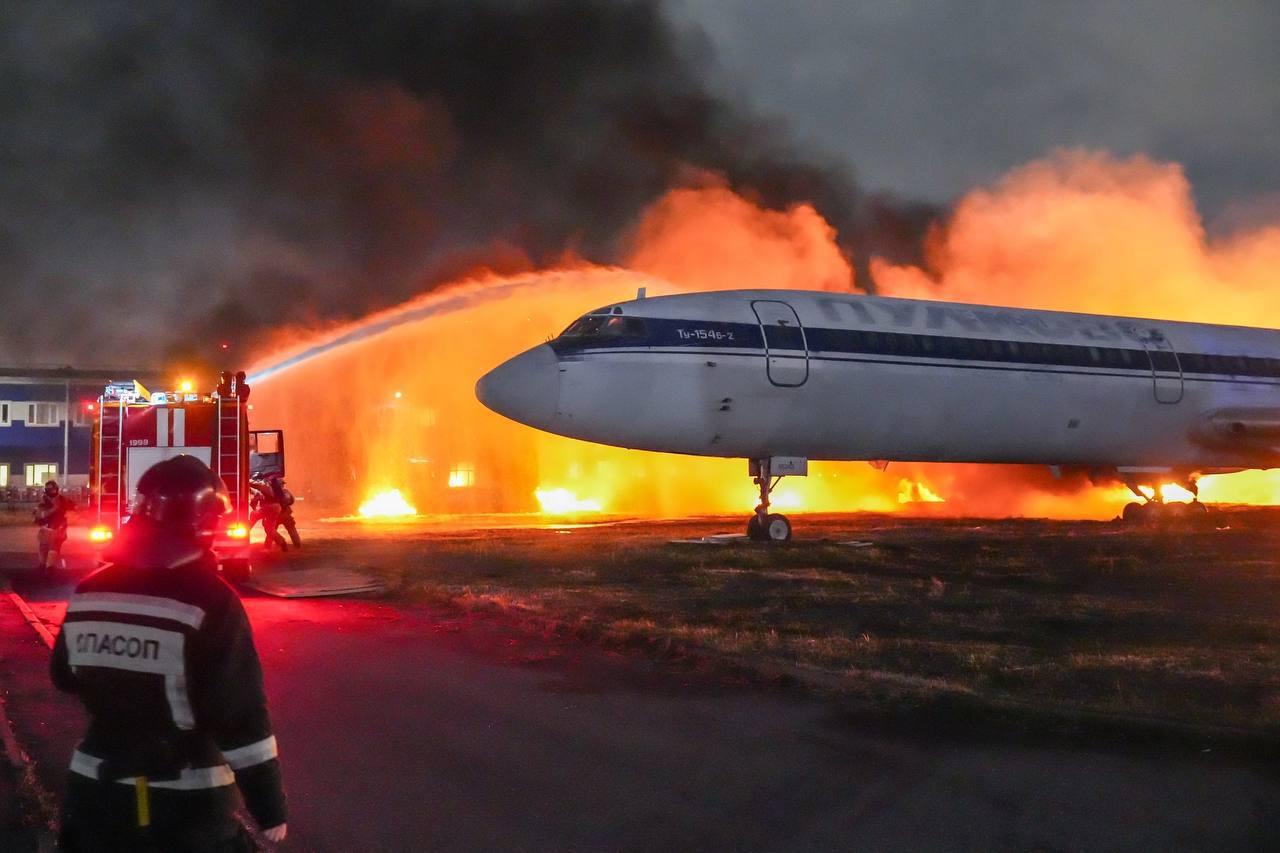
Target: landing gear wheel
1134	513
236	571
755	530
777	528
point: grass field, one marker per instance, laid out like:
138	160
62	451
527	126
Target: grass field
1050	622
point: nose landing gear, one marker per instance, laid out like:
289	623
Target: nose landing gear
765	526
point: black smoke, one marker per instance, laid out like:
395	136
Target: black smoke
197	172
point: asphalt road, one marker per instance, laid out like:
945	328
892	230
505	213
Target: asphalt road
406	728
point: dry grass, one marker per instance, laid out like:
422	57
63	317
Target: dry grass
1070	620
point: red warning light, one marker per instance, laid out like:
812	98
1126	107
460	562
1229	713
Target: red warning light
89	407
224	346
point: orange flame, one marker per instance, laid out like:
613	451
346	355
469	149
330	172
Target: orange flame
388	503
565	502
1077	231
910	491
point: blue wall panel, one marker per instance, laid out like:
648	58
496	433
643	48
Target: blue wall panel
21	444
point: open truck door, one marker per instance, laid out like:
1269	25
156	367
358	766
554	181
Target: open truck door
266	453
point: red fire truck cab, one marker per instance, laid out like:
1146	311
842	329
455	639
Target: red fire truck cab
134	429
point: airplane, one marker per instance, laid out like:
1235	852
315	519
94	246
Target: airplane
783	377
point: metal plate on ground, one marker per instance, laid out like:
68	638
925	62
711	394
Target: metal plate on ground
716	539
316	583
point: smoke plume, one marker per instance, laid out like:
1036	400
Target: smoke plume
190	174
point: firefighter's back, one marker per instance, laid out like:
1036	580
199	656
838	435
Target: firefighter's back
159	650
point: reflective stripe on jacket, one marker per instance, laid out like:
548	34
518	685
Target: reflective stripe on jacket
164	662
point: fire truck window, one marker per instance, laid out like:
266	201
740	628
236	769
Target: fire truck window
266	442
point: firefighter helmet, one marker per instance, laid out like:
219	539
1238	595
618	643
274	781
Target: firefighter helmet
184	495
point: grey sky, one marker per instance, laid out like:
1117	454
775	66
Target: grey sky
930	98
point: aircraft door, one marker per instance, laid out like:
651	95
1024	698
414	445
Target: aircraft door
1166	367
786	352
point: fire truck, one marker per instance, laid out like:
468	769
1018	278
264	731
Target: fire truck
134	429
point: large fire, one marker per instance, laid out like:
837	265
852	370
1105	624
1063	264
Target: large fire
388	503
565	502
390	399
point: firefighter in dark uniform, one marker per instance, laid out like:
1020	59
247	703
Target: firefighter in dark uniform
267	510
285	498
159	650
51	520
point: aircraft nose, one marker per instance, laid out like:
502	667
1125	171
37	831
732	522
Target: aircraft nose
525	388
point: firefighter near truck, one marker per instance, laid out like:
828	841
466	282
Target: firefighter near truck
134	429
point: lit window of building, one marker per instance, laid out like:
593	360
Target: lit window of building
41	473
44	414
462	476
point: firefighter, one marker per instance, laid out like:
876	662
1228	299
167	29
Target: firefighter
267	510
285	498
159	650
51	517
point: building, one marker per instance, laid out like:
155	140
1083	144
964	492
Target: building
46	415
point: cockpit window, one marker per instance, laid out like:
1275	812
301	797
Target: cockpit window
605	326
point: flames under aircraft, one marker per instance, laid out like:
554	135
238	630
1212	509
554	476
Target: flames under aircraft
386	403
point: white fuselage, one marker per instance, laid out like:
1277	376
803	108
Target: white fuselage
757	374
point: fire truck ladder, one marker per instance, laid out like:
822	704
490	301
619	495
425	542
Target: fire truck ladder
111	462
228	448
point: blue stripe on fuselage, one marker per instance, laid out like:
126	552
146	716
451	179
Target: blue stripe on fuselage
701	334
